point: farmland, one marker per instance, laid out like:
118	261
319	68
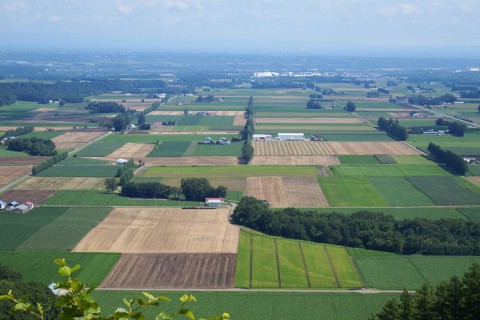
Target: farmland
61	183
80	171
12	173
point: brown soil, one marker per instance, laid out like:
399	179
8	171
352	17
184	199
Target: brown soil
475	180
368	148
294	160
239	121
9	174
78	136
21	161
131	150
281	192
173	271
191	161
308	120
163	230
35	196
61	183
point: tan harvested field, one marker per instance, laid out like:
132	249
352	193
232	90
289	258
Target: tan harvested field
21	196
475	180
386	109
61	183
281	192
309	120
399	114
310	148
191	161
237	184
393	148
9	174
180	113
21	161
131	150
163	230
294	160
292	148
78	136
239	121
173	271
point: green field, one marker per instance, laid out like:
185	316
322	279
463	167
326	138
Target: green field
70	227
321	266
4	152
39	266
77	161
18	228
471	213
234	149
448	190
101	198
170	149
229	171
80	171
394	170
99	149
366	159
263	305
410	272
400	192
413	160
474	169
351	191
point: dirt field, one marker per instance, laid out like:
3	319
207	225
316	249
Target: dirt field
294	160
191	161
310	148
21	196
10	173
281	192
21	161
239	121
61	183
131	150
173	271
74	139
475	180
309	120
163	230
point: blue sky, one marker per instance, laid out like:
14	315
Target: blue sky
346	27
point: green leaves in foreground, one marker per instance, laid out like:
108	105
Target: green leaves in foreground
76	302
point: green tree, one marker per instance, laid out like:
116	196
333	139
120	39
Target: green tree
111	184
185	111
141	119
247	152
350	107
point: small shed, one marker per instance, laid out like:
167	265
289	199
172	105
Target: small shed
291	136
2	204
214	202
261	137
121	162
29	204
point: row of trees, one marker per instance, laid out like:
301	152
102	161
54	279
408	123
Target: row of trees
423	100
364	229
50	162
248	130
105	107
18	131
454	127
314	104
393	128
450	158
197	189
34	146
350	107
148	190
208	99
455	299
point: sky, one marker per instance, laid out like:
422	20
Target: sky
346	27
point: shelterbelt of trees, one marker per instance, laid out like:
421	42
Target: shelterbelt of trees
363	229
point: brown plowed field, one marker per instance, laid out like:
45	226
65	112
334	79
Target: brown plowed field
131	150
10	173
61	183
239	121
36	196
475	180
393	148
281	192
162	230
294	160
173	271
309	120
324	148
76	136
21	161
191	161
292	148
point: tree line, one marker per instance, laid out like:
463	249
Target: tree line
248	130
455	299
423	100
454	127
18	131
50	162
148	190
33	146
393	128
105	107
450	158
363	229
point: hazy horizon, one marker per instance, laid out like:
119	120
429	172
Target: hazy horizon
330	27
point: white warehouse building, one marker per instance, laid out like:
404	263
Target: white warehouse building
291	136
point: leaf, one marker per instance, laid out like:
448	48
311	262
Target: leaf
64	271
148	295
60	262
21	306
128	303
187	298
187	313
40	308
